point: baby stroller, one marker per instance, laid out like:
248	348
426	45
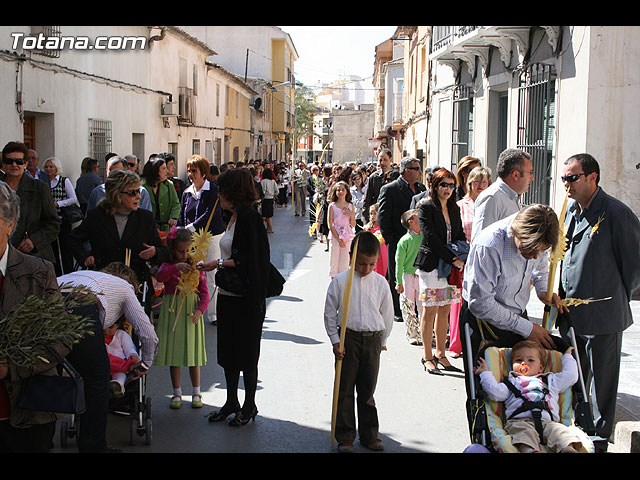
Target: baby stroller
487	418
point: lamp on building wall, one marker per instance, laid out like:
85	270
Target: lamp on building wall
281	84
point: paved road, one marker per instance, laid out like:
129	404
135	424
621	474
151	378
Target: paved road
418	412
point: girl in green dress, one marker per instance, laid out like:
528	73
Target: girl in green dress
180	326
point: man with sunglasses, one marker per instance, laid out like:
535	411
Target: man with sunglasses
601	261
501	198
38	224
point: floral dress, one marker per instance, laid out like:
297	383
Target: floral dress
435	291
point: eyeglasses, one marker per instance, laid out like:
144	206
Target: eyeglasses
480	182
572	178
194	170
17	161
413	168
447	185
131	164
132	193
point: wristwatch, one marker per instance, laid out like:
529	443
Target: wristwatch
220	260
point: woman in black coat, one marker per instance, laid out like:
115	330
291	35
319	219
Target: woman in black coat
117	226
244	246
440	223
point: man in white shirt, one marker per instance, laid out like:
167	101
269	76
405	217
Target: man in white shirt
369	324
500	199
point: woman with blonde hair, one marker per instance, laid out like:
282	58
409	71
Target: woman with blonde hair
118	231
478	180
63	196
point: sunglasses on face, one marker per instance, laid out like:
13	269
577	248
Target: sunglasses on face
447	185
17	161
572	178
132	193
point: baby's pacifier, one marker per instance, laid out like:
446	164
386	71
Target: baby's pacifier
523	369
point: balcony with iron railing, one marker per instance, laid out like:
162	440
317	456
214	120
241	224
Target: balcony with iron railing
444	35
452	44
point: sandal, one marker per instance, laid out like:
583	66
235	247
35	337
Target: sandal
176	402
448	368
196	400
432	371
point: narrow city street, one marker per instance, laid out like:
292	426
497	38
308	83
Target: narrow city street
419	413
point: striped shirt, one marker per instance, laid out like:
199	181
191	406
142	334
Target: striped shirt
496	202
116	297
497	279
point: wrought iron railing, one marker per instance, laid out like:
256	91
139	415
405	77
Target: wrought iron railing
446	35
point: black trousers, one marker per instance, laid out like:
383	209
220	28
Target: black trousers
359	374
89	357
600	363
35	439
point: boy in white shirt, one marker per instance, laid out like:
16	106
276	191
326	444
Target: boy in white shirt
368	326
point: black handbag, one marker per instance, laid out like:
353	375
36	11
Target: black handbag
275	283
72	214
54	393
231	280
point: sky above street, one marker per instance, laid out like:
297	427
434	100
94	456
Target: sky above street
326	53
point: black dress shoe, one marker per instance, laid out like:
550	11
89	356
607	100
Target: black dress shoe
223	413
447	368
432	371
242	419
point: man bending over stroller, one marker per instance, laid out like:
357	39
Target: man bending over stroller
528	393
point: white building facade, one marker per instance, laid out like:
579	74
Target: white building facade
552	91
75	102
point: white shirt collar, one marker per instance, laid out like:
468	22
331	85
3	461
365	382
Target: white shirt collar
3	261
192	190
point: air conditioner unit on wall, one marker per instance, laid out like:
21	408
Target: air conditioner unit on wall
170	109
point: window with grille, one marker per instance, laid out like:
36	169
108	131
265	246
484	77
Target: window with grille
462	124
536	127
47	32
100	142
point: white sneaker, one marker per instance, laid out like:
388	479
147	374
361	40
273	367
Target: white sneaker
117	389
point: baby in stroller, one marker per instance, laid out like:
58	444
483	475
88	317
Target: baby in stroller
531	399
123	357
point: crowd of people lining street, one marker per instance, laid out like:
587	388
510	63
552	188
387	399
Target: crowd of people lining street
435	250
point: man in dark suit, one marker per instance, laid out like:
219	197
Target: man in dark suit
601	262
38	224
376	181
394	200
